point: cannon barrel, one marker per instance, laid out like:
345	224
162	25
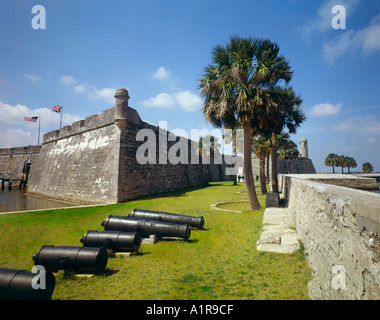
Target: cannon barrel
196	222
77	259
147	227
117	241
18	285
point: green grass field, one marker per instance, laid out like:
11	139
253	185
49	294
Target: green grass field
220	262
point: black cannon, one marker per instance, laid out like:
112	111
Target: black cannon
23	285
116	241
196	222
77	259
147	227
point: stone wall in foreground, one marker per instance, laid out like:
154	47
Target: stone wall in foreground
340	230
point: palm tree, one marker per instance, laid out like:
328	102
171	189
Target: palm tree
208	146
231	136
332	161
233	87
350	163
341	162
288	150
281	110
262	149
367	167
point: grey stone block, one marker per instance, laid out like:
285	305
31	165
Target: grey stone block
272	200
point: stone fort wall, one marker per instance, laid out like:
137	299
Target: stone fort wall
300	165
93	161
340	231
14	160
79	163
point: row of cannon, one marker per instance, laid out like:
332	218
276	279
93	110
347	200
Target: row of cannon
121	234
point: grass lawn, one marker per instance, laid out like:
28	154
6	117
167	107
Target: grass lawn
220	262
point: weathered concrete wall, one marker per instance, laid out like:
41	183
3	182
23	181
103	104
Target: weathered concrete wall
12	160
154	177
79	163
94	161
160	174
343	180
340	230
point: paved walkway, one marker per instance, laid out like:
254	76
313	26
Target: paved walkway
279	234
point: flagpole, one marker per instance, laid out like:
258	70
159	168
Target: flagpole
60	123
39	128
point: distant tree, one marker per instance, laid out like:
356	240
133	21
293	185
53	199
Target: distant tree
208	146
350	163
282	112
341	162
332	161
262	149
367	167
288	150
236	139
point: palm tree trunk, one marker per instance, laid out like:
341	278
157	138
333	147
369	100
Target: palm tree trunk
262	176
333	169
235	176
252	196
274	163
268	173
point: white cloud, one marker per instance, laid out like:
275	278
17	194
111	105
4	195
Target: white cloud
366	40
79	88
325	109
162	100
371	140
161	74
361	126
68	81
188	101
339	46
32	77
14	115
324	16
15	131
183	99
17	137
105	94
369	37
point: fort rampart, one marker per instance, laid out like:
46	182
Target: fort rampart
93	161
340	230
14	161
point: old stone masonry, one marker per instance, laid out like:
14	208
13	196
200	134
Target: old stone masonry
93	161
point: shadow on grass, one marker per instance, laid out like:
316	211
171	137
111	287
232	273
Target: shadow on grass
175	193
178	240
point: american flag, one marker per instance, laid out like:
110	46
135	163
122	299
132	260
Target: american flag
32	119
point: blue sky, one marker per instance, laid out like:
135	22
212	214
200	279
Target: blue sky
158	50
